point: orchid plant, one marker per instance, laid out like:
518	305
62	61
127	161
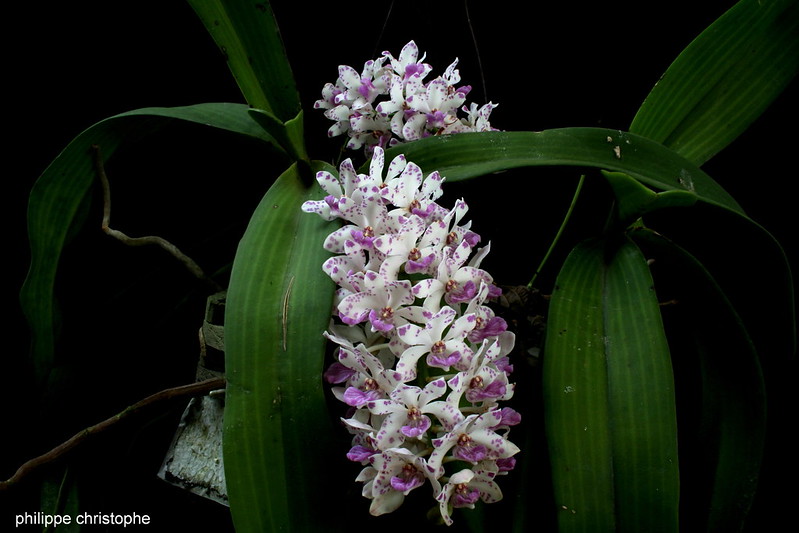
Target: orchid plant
369	353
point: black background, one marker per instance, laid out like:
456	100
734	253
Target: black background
130	316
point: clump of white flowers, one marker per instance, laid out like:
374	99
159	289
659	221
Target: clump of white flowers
389	102
421	360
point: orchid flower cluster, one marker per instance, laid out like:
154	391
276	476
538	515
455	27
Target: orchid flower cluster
422	361
388	102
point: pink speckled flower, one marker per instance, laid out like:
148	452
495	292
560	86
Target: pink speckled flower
465	487
389	102
422	363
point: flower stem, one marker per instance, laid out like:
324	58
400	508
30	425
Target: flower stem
377	347
560	230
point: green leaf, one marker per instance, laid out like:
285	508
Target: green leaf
60	496
723	80
277	428
634	200
289	135
249	38
471	155
56	198
713	343
468	155
609	398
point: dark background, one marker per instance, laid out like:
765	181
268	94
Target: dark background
130	316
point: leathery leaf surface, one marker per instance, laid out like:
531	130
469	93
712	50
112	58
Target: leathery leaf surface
609	395
276	423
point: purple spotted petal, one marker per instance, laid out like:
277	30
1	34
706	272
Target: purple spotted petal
495	389
360	453
378	323
417	427
503	365
405	485
507	464
445	361
464	293
459	499
358	398
338	373
471	453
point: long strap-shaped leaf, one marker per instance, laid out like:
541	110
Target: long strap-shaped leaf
249	38
727	450
59	191
724	79
469	155
276	423
610	414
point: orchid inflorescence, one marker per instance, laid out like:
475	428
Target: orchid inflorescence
422	361
389	102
